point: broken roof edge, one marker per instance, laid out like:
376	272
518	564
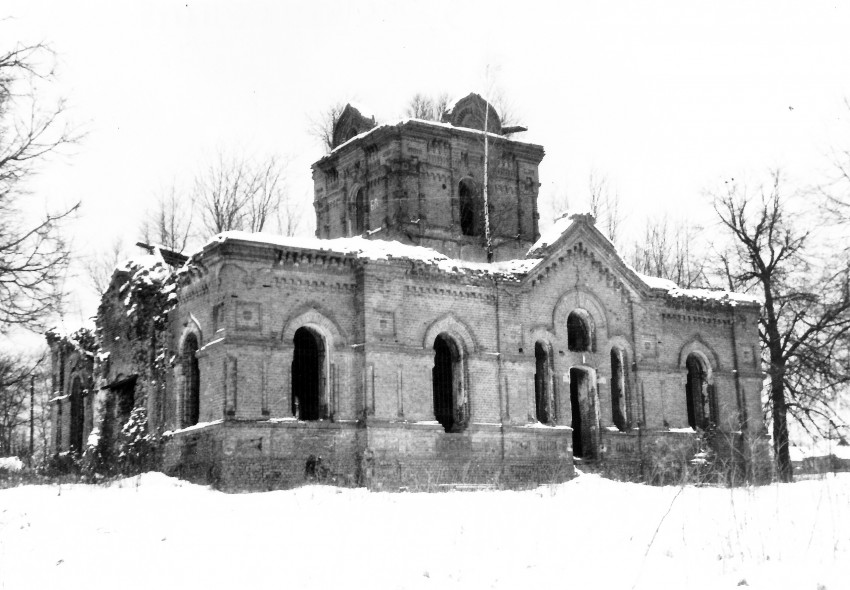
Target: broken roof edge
437	124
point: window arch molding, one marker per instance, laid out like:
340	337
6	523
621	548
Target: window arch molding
317	319
583	299
698	346
453	327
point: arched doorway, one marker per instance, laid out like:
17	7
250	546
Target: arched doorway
619	405
579	331
447	382
77	419
701	410
308	375
542	383
469	209
583	410
192	381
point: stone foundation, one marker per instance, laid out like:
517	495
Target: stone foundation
259	455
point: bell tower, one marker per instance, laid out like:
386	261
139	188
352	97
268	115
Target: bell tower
422	182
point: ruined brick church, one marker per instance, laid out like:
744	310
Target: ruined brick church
428	335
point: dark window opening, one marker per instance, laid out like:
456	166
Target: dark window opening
125	395
360	207
192	377
307	375
469	209
445	380
542	384
583	408
701	412
576	378
578	332
75	443
618	389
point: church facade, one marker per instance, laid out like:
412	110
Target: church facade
423	338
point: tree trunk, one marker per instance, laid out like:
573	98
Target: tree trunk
780	425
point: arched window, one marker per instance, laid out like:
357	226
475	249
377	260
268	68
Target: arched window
542	384
308	362
619	405
579	332
470	224
75	443
192	382
360	211
447	381
702	410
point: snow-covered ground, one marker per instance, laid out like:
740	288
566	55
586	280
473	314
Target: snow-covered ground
157	532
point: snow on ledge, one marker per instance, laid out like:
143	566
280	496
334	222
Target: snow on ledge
687	430
198	426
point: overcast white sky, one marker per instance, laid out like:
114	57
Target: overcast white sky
665	99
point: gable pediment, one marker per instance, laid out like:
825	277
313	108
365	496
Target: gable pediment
581	243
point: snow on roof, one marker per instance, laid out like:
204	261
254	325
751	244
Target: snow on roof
424	122
383	250
718	295
551	235
657	282
560	227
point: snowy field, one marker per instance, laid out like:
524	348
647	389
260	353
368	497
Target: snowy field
157	532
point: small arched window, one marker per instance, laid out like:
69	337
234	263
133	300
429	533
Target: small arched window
701	402
308	375
579	331
542	384
192	382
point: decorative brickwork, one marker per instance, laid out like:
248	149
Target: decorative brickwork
361	362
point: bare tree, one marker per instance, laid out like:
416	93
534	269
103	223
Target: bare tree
15	375
670	250
428	108
33	254
170	222
237	194
100	266
322	124
805	321
605	206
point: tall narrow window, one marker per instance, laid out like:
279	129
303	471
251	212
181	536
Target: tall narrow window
579	337
469	210
192	382
360	212
542	384
577	401
77	417
308	375
619	414
699	394
447	382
